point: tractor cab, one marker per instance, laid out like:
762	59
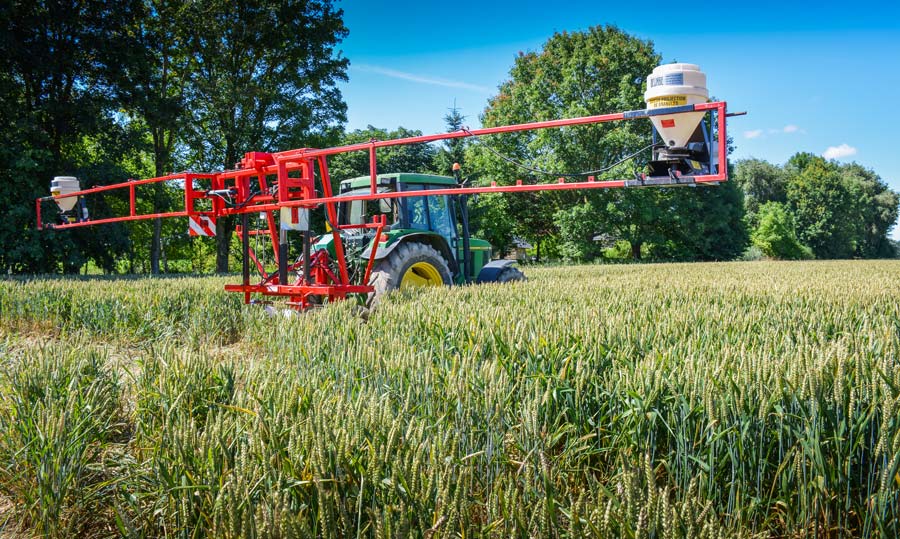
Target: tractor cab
426	213
427	239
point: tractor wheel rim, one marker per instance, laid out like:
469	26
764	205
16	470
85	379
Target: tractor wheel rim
421	274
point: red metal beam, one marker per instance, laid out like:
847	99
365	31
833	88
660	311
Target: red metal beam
118	219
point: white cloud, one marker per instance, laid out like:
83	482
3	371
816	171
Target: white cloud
788	129
412	77
837	152
756	133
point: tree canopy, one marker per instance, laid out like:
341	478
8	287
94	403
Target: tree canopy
111	90
600	70
838	210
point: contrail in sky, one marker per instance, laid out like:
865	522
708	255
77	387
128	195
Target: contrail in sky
412	77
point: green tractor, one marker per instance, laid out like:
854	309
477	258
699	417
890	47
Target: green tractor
428	242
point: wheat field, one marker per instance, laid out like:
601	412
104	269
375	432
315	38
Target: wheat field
645	401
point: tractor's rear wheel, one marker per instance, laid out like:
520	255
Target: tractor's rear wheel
409	265
509	274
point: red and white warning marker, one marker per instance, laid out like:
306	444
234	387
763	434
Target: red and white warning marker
201	225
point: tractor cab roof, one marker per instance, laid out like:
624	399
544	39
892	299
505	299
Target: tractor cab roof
400	177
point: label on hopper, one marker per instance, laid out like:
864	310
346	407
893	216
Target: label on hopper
670	79
667	101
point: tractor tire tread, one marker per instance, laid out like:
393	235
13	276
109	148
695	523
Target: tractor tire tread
510	274
388	273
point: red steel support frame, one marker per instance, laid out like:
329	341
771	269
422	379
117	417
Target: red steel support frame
296	174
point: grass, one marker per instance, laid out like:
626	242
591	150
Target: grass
694	400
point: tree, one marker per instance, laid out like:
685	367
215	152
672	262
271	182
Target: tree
761	182
265	79
596	71
490	219
776	236
877	208
577	229
452	150
824	210
151	85
839	210
600	70
406	158
58	118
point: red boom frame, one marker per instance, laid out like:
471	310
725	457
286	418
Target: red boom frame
296	173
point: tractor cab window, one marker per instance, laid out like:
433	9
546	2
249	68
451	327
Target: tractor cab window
417	213
441	216
357	212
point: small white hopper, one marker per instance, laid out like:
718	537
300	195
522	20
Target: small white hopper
63	185
676	85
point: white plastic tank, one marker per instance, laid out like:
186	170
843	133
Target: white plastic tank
676	85
63	185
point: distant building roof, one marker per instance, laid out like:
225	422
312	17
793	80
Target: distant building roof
521	244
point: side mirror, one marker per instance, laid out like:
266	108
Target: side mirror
384	205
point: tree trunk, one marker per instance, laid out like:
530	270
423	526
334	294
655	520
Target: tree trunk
160	158
636	249
225	225
155	248
224	231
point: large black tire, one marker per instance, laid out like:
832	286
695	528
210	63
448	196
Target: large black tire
510	274
388	274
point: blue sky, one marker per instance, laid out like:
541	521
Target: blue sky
822	77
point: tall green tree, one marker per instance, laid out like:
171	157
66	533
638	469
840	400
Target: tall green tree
58	118
761	182
596	71
839	210
824	209
265	79
151	87
452	150
877	207
600	70
842	210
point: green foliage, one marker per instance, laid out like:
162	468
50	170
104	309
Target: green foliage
877	207
92	88
761	182
490	219
776	236
262	85
665	400
838	210
409	158
600	70
55	61
575	74
577	232
453	150
823	206
709	224
266	79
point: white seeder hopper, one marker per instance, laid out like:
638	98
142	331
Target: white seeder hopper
683	145
65	185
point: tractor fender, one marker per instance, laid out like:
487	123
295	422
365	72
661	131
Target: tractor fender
491	270
434	240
